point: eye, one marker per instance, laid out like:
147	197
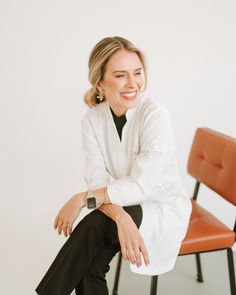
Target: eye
138	73
119	76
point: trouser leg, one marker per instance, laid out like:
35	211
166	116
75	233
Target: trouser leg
93	281
90	236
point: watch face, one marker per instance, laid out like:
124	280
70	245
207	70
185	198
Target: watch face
91	203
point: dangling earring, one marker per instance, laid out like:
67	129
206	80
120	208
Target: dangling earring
100	97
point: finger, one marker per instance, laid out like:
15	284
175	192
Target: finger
59	226
144	254
124	252
56	221
137	254
69	228
64	228
131	254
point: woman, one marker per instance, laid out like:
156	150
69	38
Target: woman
133	183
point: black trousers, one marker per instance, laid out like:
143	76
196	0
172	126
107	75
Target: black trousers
83	261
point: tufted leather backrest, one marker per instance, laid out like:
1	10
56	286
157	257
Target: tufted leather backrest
212	161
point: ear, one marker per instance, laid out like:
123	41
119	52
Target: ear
100	87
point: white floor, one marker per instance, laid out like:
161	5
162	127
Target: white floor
181	280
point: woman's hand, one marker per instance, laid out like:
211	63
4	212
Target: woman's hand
131	241
69	212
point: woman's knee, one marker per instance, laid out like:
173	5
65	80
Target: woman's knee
98	271
96	220
136	213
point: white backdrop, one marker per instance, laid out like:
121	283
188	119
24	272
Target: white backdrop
44	48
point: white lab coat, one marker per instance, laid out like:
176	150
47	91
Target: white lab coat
140	169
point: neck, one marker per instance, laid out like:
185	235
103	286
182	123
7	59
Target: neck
118	113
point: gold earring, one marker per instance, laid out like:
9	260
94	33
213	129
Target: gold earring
100	97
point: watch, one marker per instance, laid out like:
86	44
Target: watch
91	202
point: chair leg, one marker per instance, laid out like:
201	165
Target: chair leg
231	271
153	289
199	268
117	275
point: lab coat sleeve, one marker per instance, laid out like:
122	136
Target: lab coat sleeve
96	175
149	168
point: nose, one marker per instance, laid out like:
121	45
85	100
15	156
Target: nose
131	81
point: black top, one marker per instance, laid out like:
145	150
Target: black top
119	122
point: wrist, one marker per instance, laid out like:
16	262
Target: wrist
96	198
106	198
81	199
121	217
101	196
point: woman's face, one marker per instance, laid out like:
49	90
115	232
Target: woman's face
122	82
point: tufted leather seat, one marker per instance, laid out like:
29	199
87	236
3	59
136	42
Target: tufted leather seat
205	233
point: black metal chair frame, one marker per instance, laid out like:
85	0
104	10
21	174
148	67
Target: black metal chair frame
154	279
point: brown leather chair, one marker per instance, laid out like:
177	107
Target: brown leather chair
212	161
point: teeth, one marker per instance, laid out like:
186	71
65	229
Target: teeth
129	94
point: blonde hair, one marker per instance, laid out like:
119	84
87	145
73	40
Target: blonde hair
98	59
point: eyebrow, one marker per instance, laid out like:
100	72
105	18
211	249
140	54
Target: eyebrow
122	71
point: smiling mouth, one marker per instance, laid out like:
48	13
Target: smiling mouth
129	94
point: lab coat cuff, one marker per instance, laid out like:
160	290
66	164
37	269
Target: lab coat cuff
112	194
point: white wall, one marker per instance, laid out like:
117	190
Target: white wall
44	48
